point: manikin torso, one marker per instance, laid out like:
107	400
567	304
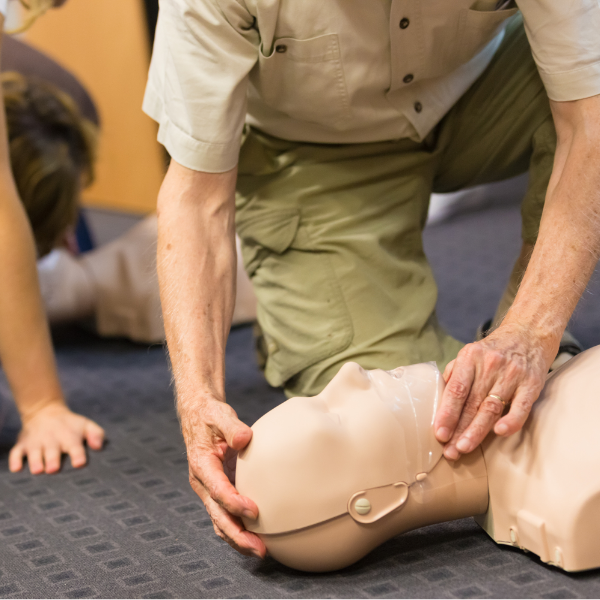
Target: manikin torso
336	475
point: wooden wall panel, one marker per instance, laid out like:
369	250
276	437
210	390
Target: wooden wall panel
105	43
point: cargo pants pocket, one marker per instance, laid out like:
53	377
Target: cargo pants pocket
301	308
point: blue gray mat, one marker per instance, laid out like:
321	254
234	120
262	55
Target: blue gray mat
128	526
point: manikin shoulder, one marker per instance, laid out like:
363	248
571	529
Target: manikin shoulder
544	483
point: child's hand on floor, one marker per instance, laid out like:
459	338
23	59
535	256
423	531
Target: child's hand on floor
51	432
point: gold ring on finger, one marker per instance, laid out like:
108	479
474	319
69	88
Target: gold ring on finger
504	402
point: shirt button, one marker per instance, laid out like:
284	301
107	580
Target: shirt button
418	107
281	48
404	23
408	78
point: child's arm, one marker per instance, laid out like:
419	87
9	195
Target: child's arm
49	427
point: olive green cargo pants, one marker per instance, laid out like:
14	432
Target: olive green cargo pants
331	234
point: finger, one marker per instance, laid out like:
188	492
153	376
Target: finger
77	454
519	411
448	370
230	528
489	411
236	434
230	465
245	542
35	461
94	435
455	395
52	458
15	458
208	470
469	412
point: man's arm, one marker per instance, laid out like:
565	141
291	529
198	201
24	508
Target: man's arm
196	272
512	362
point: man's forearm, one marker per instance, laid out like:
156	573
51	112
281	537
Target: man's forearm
568	245
196	271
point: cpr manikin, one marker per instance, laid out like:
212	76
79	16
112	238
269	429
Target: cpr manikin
336	475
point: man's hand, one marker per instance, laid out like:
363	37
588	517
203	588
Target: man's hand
209	432
51	432
510	363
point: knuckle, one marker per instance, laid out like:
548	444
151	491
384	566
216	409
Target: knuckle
477	432
491	407
219	532
470	411
513	371
468	352
493	360
525	406
219	410
212	491
457	389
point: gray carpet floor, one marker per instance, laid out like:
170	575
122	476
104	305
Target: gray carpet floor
128	525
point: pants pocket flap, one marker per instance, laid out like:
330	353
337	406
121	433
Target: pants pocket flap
272	230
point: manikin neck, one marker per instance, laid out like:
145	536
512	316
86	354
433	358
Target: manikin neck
452	490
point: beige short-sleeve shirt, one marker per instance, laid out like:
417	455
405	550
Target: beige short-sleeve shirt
343	71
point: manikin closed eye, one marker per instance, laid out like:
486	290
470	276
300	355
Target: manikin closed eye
337	475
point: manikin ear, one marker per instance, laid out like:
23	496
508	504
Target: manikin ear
371	505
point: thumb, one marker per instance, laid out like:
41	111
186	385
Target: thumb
236	434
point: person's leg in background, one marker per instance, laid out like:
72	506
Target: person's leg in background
116	286
501	127
332	239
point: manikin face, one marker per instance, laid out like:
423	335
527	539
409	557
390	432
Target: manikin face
367	429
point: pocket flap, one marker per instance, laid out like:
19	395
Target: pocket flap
270	229
314	50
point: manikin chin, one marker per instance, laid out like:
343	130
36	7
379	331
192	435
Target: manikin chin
336	475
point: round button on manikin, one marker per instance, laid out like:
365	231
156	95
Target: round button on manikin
404	23
408	78
362	506
281	48
418	107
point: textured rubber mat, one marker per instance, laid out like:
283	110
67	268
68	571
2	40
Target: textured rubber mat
129	526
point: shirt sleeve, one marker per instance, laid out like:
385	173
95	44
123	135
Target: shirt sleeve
565	40
196	91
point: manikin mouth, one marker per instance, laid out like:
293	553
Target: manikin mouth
397	373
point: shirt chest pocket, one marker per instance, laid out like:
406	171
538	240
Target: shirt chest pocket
475	27
305	80
480	24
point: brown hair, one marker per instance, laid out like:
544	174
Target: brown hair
52	152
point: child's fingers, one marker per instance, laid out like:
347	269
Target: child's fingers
52	456
77	454
35	460
94	435
15	458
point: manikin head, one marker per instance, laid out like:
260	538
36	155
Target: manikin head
326	471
